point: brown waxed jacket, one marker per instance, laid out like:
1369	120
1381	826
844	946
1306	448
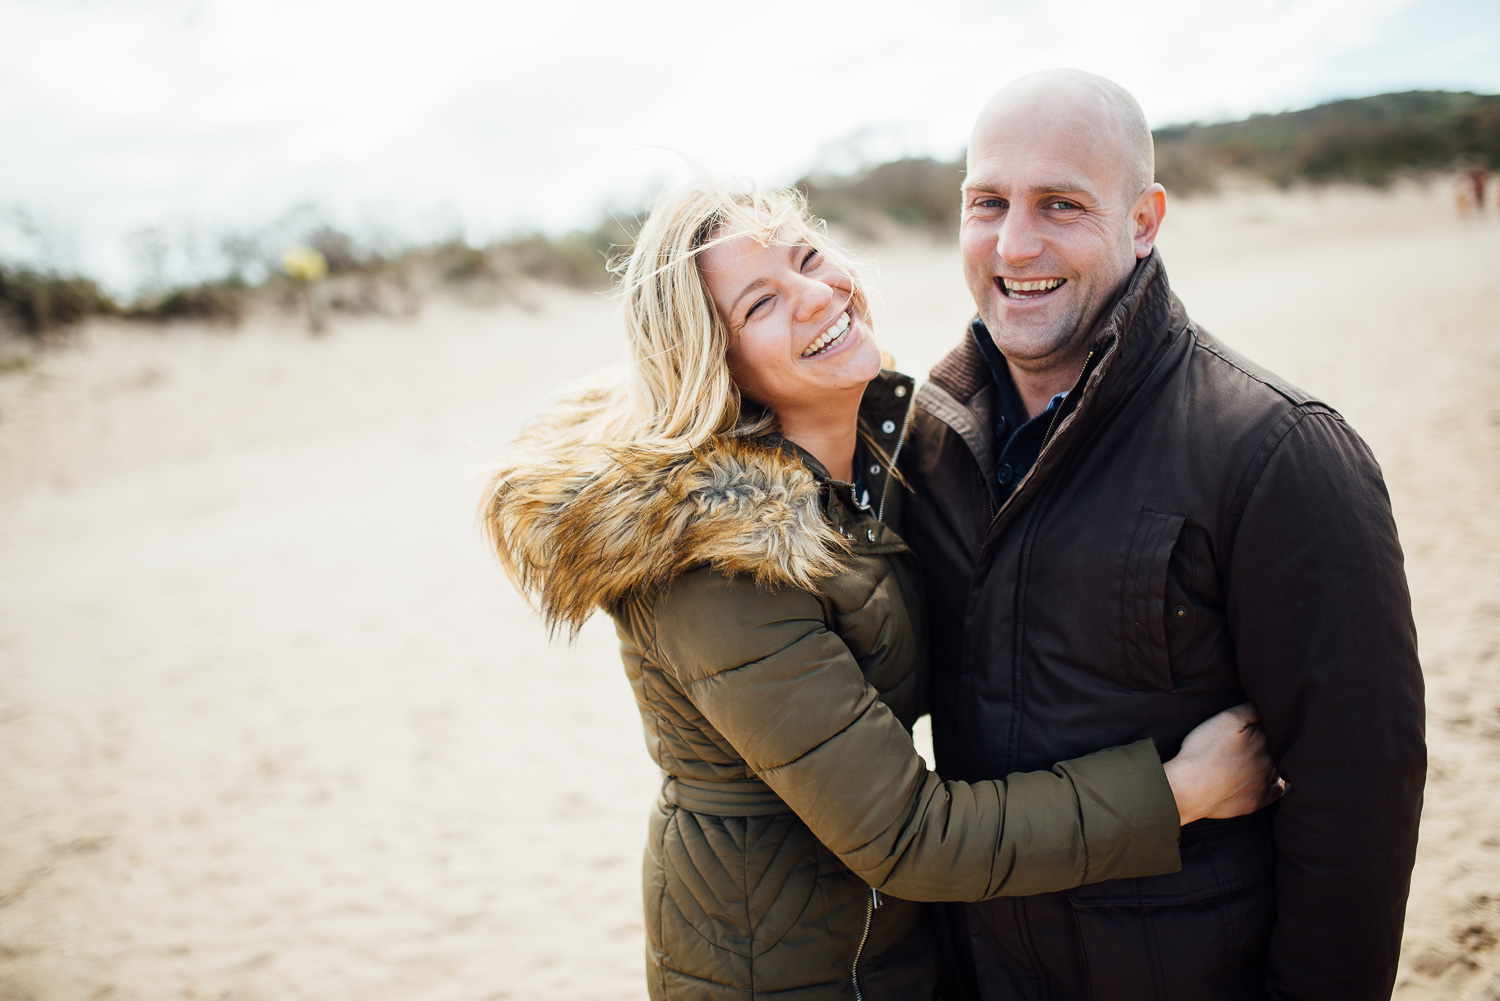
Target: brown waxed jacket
1195	532
777	694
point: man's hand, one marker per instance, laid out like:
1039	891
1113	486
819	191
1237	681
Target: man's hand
1223	768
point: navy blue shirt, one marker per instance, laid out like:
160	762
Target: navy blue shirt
1018	437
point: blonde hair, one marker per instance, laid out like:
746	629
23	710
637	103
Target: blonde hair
676	400
678	393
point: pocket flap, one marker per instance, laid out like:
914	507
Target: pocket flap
1218	856
1144	599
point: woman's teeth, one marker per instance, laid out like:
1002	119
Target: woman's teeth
829	337
1029	290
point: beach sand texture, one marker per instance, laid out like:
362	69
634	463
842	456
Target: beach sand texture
274	727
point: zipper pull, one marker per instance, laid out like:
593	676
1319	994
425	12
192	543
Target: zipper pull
875	898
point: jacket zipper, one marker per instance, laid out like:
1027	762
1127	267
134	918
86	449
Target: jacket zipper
890	474
870	906
1057	417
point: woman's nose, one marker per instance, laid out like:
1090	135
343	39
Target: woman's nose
813	298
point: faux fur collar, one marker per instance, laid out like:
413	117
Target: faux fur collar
593	526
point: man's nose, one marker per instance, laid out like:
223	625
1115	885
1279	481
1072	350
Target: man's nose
1019	239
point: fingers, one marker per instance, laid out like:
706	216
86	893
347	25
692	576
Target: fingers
1274	791
1245	714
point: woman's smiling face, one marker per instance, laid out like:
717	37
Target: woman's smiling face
799	326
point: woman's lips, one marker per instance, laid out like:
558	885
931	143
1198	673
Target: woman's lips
832	337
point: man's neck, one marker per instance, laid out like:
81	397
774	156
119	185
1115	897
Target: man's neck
1037	387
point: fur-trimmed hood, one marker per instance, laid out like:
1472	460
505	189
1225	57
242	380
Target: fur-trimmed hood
594	525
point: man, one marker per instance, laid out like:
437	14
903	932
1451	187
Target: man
1126	527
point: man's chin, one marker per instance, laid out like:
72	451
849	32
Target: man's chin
1037	343
1024	335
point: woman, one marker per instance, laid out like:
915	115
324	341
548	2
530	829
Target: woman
722	505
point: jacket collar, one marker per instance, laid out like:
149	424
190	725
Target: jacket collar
581	525
1126	343
884	412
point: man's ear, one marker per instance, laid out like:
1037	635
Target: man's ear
1146	214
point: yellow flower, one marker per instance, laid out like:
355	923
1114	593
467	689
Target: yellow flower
304	264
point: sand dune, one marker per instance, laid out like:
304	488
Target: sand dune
275	728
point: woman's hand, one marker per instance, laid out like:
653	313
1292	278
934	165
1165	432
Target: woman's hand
1224	769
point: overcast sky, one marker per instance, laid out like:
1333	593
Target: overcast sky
420	119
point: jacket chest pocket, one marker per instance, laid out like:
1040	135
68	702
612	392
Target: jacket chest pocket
1143	601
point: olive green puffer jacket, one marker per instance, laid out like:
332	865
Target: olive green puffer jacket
771	630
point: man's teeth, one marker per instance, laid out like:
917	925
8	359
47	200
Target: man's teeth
1041	285
829	337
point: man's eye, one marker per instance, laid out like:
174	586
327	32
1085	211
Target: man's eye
812	255
990	203
1063	205
756	306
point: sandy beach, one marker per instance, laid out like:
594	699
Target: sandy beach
275	727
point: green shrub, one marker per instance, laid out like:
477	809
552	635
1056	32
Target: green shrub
920	193
1370	140
42	302
214	303
579	259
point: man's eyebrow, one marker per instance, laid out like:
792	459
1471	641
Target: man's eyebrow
1066	186
1062	186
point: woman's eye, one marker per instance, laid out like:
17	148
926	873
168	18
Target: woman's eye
812	254
756	306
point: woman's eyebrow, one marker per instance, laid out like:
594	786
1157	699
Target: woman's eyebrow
761	282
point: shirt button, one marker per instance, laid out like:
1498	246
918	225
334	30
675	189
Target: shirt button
889	427
875	469
1180	611
900	391
1005	474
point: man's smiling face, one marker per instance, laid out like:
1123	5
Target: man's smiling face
1050	227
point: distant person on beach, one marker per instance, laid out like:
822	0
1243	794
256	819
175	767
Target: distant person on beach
1124	526
732	504
1479	180
1470	189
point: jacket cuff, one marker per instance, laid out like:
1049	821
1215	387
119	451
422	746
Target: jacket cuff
1130	822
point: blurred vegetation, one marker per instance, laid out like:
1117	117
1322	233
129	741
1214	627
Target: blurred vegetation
218	302
38	301
1372	140
917	193
360	279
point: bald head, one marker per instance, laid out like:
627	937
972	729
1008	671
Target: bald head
1059	205
1080	109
